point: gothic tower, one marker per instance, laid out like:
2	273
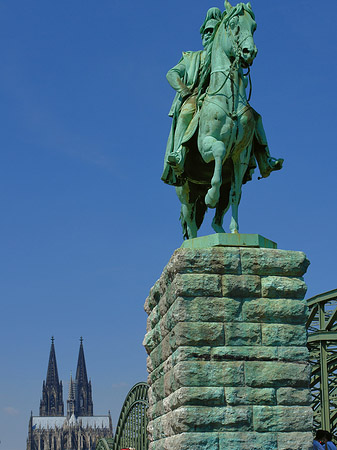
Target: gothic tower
83	401
51	403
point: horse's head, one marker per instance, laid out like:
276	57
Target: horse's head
239	24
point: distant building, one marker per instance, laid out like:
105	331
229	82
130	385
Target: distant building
79	429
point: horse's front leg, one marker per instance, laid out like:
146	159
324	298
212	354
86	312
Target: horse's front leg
217	153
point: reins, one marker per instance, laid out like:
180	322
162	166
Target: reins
238	46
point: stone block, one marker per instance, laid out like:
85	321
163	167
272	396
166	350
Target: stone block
189	353
152	339
216	260
165	303
293	354
280	334
247	441
282	418
277	374
294	441
242	334
153	318
188	441
157	392
154	296
273	262
205	309
156	410
283	287
241	286
195	396
208	373
245	353
197	333
291	396
196	418
250	396
274	311
196	285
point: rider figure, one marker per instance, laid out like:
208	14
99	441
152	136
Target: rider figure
184	78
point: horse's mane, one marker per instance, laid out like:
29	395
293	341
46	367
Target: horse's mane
206	70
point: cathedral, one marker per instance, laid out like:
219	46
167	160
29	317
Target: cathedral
79	429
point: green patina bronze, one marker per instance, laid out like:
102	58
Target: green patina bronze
217	139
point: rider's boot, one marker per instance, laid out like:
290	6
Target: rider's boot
177	160
268	164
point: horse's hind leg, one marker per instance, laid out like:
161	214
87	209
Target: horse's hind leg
187	212
221	209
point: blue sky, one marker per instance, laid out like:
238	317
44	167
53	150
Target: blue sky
86	224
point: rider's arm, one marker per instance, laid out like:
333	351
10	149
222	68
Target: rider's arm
175	77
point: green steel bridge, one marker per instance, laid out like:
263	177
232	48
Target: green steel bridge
322	344
131	427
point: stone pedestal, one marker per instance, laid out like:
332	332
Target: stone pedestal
227	360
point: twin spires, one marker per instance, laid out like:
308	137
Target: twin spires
79	400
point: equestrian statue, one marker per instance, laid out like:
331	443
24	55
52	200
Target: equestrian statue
217	139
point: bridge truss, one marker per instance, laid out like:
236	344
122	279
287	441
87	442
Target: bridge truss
132	424
322	344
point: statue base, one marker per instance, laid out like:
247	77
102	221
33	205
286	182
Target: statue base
229	240
228	362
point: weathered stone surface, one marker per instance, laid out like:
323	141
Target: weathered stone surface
282	418
273	262
276	374
283	287
243	286
294	441
154	296
191	353
152	339
209	260
195	396
249	353
250	396
197	333
153	318
196	285
208	373
247	441
291	396
293	354
156	410
275	311
194	418
242	334
281	334
205	309
187	441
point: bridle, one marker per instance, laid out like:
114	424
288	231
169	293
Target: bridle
237	45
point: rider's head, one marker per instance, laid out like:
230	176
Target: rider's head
213	16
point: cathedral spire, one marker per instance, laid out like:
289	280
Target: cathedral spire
84	405
52	392
71	398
